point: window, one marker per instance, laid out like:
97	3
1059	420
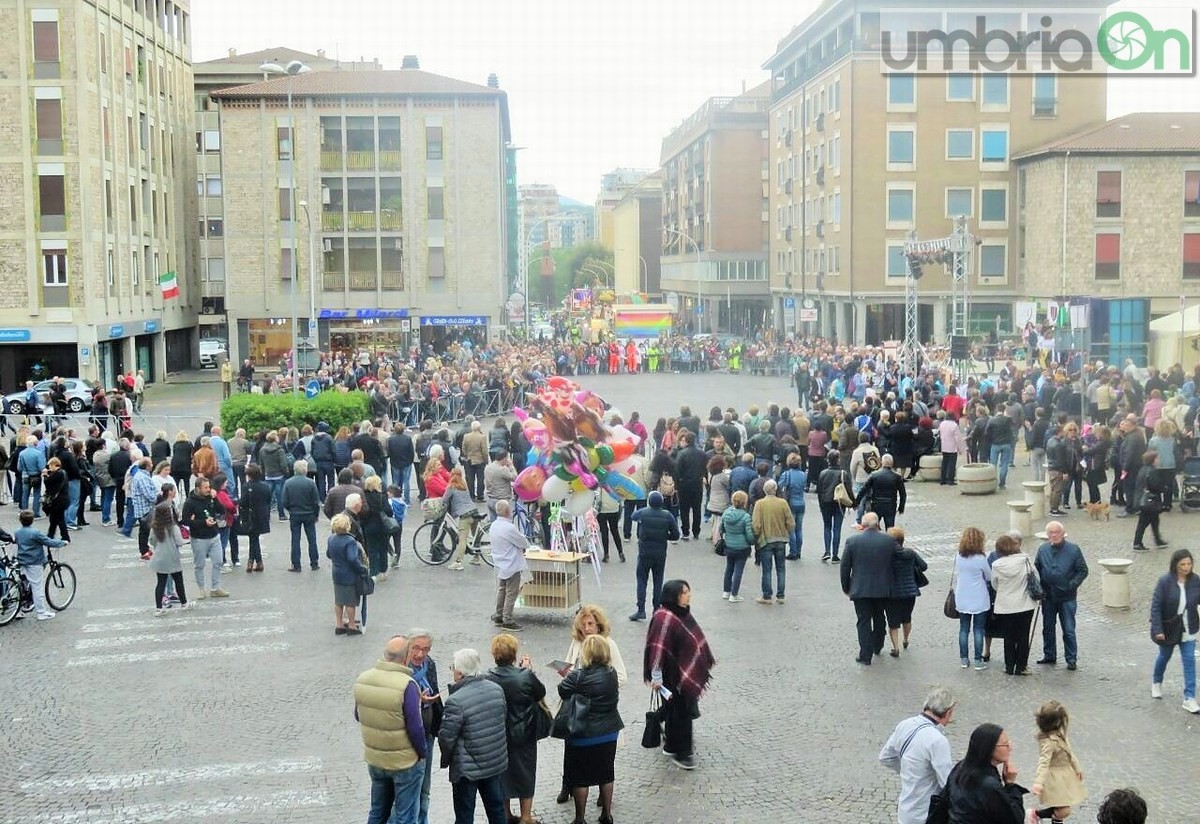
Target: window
49	126
835	208
994	91
902	91
134	266
835	152
901	148
286	263
45	44
1191	255
216	269
1108	256
103	55
54	267
108	199
992	260
216	227
1108	194
993	145
285	204
434	199
52	201
900	206
897	264
437	262
283	142
433	142
835	96
960	88
1191	194
111	269
960	202
993	205
133	205
960	144
212	141
1045	95
212	185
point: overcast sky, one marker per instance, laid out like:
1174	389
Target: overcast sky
591	86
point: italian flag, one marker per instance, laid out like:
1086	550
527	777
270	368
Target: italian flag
170	286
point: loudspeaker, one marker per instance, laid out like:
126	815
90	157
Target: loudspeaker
960	347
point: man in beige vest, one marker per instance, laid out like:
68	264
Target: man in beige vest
387	706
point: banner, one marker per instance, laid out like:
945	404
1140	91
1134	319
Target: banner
642	324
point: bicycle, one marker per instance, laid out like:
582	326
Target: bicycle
16	594
434	541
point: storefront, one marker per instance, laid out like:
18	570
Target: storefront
37	354
365	330
122	348
440	331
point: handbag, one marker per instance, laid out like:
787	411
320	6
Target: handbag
652	734
1033	584
842	497
572	717
921	579
939	808
543	720
949	608
365	585
433	509
390	525
1172	631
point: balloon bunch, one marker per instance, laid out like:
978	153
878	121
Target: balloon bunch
572	452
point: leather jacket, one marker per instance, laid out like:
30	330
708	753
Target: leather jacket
599	685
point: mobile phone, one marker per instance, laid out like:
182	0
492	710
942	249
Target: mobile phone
558	666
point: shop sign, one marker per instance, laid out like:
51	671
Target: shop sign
15	335
116	331
363	314
150	327
454	320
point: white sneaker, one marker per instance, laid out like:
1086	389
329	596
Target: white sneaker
226	567
1156	690
736	599
725	595
1190	705
46	616
159	612
457	567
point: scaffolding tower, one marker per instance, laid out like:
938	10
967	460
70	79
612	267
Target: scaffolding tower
951	251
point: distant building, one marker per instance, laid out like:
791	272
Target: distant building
404	180
1110	216
714	214
637	238
613	186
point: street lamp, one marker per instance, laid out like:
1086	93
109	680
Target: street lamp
685	236
645	275
312	279
291	70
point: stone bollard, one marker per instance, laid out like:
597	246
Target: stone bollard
930	468
1020	518
1035	493
977	479
1114	582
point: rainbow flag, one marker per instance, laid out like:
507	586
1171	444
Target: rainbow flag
642	324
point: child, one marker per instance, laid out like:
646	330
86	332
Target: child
31	555
399	510
1058	782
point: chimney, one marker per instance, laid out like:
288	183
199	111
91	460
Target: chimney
410	61
743	87
233	52
493	81
321	54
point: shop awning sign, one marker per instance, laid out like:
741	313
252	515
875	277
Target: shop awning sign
454	320
362	314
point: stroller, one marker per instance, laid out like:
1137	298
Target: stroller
1189	492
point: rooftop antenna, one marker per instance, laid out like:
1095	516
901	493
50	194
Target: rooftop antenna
337	54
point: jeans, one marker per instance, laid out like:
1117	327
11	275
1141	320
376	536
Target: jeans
968	625
1037	460
650	562
1001	457
106	501
796	539
949	467
204	550
309	525
871	626
1187	654
238	479
402	477
33	574
474	474
28	491
73	488
627	517
277	493
423	817
491	790
1064	613
773	555
862	504
735	564
832	515
396	794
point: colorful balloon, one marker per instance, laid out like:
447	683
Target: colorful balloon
580	502
618	451
555	489
529	482
604	454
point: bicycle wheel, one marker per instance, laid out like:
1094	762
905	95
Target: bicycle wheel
432	550
482	544
60	586
10	597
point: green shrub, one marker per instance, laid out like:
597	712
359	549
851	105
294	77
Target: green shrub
254	412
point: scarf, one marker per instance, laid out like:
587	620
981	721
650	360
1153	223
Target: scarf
676	645
421	676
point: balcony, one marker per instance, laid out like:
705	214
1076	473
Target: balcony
363	281
331	161
389	161
392	280
332	221
361	221
360	161
391	221
333	281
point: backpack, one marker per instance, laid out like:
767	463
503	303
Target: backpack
666	484
872	461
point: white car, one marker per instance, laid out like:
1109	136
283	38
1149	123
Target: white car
210	350
79	396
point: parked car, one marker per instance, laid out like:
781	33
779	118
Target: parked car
79	396
211	350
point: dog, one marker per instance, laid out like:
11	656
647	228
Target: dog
1098	511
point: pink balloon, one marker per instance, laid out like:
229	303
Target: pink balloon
528	483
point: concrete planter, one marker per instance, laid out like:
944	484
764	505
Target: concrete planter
977	479
931	467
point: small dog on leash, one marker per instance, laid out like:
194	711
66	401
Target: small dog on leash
1098	511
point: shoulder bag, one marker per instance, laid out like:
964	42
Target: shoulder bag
1033	584
949	608
841	495
1172	631
543	720
390	525
920	578
572	717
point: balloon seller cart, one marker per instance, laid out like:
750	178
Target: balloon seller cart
555	575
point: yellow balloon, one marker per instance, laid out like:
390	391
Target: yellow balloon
578	486
593	458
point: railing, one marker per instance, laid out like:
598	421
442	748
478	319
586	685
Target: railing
392	280
331	161
363	281
333	281
361	221
391	220
360	161
389	160
332	221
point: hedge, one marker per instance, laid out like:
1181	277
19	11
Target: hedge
254	412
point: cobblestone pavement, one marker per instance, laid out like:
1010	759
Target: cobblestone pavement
240	710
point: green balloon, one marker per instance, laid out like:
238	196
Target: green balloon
606	454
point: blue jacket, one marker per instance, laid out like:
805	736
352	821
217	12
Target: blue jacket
1165	603
31	546
792	483
740	478
1062	570
342	550
31	461
656	526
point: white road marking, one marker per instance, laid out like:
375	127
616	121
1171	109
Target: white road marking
176	637
114	612
133	562
218	807
173	655
160	778
176	618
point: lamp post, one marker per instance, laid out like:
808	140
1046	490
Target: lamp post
312	279
645	275
291	70
696	247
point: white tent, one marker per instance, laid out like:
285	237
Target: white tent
1173	338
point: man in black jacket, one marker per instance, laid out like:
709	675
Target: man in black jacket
401	455
690	465
371	448
867	580
884	492
1133	446
323	457
656	526
689	421
303	504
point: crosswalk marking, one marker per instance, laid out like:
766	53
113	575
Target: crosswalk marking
220	807
174	655
115	612
161	778
183	619
176	637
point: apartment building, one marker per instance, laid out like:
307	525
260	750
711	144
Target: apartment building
99	98
1110	216
613	186
715	214
384	218
209	76
862	157
637	239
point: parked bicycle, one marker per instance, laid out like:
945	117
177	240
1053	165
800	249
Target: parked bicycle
16	594
434	541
